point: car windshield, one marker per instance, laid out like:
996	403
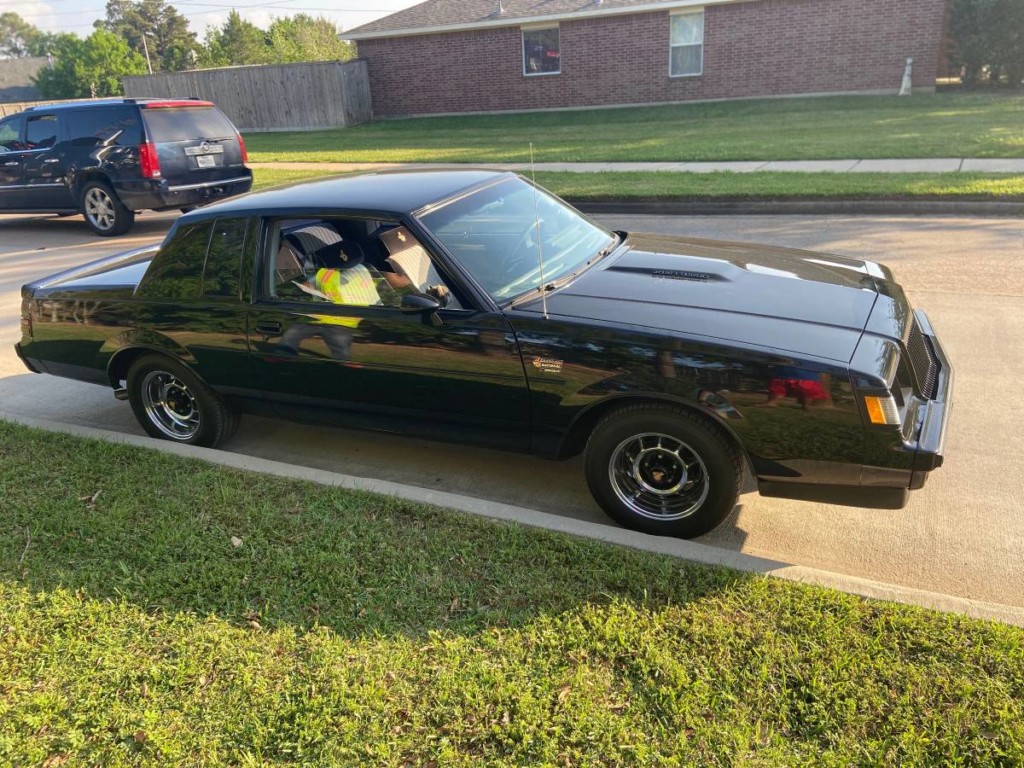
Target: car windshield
514	238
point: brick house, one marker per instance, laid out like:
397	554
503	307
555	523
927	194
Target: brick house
448	56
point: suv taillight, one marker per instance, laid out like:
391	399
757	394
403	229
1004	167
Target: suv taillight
241	146
149	162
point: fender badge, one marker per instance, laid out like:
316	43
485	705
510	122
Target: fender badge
547	364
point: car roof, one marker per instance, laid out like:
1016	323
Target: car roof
97	103
395	192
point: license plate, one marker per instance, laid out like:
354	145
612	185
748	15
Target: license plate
206	161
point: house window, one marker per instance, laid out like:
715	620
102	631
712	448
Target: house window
687	44
541	51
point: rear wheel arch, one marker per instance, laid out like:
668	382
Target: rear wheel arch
84	176
122	359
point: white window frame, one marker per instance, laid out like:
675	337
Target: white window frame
687	12
522	43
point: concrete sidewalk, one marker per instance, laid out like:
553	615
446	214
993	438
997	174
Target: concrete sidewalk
906	165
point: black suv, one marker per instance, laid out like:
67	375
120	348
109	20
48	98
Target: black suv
107	159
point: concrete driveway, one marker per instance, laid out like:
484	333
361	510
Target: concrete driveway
963	534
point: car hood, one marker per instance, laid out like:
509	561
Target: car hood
790	300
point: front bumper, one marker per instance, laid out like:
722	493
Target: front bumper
931	440
159	194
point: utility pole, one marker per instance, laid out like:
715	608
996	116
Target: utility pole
145	47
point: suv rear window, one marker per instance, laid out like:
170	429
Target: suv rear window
187	124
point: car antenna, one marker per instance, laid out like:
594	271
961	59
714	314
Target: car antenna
540	240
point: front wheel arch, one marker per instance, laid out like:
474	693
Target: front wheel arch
575	438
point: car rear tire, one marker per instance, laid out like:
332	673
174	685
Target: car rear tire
172	403
663	470
104	213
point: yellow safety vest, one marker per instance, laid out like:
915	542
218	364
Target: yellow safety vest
353	287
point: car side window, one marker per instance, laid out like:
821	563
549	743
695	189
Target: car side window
224	258
10	134
348	262
177	269
41	131
113	125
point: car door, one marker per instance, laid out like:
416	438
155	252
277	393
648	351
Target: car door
455	374
45	177
12	158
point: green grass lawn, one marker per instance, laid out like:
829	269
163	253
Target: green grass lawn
938	125
158	611
582	187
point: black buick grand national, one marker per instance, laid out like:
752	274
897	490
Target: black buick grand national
472	306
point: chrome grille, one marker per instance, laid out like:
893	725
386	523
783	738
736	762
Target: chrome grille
923	361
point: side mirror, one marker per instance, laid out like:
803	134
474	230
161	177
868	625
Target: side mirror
419	304
422	304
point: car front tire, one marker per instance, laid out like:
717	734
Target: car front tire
104	213
663	470
172	403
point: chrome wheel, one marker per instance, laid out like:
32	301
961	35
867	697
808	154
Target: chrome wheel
658	476
99	209
170	405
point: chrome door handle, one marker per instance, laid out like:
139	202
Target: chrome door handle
51	160
13	162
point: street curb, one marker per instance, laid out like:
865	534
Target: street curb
800	207
684	550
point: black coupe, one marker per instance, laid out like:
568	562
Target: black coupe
473	306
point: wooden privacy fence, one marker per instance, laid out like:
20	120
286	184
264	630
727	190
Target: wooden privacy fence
273	97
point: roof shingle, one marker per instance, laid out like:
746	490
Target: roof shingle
433	14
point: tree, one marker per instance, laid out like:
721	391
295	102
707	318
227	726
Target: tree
303	38
237	42
18	38
90	67
289	39
166	31
987	39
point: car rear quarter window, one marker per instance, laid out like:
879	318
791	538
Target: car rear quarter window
89	127
224	259
176	272
187	124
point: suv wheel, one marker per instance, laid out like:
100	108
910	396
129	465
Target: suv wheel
104	213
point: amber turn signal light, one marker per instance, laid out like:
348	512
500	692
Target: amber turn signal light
882	410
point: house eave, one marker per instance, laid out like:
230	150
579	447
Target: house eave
517	21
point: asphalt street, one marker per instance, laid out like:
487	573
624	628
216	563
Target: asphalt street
963	534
